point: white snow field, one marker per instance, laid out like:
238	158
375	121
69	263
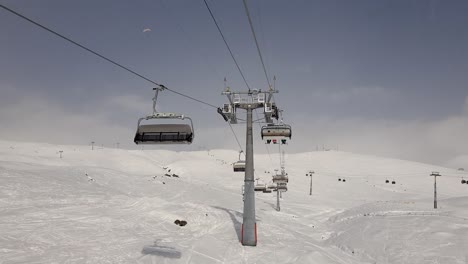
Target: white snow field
116	206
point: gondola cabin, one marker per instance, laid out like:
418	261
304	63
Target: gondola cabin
239	166
164	134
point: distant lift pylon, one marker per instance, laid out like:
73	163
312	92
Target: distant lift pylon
164	133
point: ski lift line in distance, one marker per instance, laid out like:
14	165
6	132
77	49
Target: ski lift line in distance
164	133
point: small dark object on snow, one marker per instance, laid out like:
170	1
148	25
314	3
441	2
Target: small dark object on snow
164	183
169	170
344	180
206	214
180	222
168	175
175	175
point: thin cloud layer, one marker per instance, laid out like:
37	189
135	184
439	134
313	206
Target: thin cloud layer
434	141
443	141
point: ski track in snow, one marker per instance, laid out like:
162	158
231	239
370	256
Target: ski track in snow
117	206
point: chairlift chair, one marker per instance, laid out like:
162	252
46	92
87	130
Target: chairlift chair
282	186
276	131
239	166
393	182
463	181
260	187
164	133
271	186
344	180
387	181
280	178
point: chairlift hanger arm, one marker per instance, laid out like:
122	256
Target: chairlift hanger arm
220	111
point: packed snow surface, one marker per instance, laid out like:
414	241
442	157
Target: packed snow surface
119	206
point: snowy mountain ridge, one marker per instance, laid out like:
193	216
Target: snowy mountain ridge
119	206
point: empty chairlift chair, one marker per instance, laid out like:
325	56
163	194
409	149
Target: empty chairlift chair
164	132
239	166
260	187
280	178
282	186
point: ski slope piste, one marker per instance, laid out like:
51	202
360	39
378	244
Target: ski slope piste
120	206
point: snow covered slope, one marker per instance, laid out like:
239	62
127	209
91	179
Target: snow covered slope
118	206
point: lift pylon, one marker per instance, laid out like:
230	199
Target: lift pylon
250	100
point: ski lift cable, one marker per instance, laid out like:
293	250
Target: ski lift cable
266	146
104	57
235	136
190	42
256	42
235	62
181	29
226	43
110	60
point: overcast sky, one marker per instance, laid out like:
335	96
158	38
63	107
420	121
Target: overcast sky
377	77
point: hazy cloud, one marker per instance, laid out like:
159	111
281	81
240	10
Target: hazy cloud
433	141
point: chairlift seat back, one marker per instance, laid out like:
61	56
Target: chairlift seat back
280	178
239	166
164	134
